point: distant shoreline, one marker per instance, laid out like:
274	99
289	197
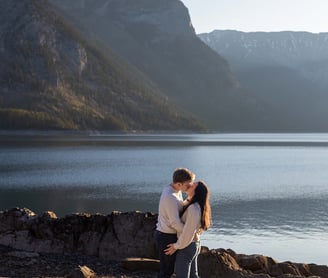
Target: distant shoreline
165	139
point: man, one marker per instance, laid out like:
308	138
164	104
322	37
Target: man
169	223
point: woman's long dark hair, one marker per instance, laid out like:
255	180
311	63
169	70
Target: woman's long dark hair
202	197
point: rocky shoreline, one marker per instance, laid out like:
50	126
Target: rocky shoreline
114	245
17	263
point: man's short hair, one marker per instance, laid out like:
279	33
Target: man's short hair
183	175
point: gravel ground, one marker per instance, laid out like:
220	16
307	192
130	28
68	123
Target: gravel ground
14	263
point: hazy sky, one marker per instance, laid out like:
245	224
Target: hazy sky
259	15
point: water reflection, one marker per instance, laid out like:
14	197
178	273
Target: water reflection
266	199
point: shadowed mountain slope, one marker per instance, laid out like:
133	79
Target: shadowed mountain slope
52	77
158	38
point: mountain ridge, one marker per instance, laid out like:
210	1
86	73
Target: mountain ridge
287	70
287	48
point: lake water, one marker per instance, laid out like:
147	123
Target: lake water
269	192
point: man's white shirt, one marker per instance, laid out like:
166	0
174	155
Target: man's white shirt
170	205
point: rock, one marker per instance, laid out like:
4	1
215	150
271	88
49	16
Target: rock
256	263
216	263
89	242
48	215
289	268
275	271
319	270
304	269
129	235
82	272
15	218
252	263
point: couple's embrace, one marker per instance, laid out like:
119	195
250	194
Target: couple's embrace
180	223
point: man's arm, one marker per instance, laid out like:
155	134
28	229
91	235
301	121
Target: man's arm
172	209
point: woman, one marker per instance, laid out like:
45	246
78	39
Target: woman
197	218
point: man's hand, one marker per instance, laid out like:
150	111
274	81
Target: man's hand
170	250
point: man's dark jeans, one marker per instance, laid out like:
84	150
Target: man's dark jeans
166	261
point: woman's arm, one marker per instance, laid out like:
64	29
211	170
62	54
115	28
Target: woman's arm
190	228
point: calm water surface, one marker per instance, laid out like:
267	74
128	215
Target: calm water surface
269	192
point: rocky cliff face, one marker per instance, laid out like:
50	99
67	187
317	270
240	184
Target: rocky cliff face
158	38
51	76
168	16
118	236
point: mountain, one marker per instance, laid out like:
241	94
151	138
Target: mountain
54	77
157	37
286	70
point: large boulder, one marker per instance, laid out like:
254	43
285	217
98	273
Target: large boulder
115	236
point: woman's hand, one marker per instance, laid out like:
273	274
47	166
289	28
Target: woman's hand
170	250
